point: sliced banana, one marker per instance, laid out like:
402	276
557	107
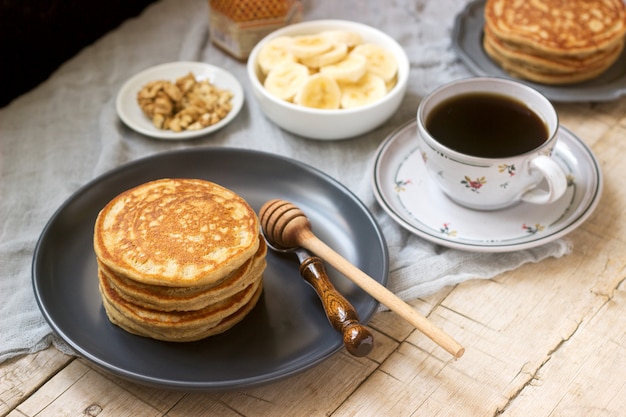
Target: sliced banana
319	91
347	72
350	69
285	80
367	90
380	61
305	46
336	53
391	83
275	53
343	36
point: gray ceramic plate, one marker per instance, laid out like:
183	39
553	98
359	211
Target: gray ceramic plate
467	42
286	332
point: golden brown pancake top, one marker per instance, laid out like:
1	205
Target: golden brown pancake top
558	26
176	232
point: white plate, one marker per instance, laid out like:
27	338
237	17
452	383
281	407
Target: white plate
131	114
402	187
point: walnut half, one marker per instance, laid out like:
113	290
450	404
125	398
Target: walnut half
186	104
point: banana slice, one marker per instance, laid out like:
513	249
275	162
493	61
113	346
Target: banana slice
347	72
343	36
285	80
379	60
275	53
336	53
319	91
391	83
367	90
350	69
305	46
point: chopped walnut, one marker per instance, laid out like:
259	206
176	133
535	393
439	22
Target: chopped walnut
187	104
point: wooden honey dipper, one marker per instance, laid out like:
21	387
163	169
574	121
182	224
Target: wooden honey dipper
357	338
287	227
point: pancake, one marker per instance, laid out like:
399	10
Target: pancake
179	326
554	41
551	73
557	27
178	259
551	64
165	298
176	232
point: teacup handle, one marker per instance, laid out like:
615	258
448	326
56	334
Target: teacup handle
554	176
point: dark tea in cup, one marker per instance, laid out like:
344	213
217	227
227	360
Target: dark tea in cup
486	125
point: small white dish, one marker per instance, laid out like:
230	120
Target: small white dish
404	190
131	114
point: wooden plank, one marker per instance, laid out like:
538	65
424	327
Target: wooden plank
161	399
586	121
398	329
400	387
19	377
586	376
511	326
78	390
15	413
311	393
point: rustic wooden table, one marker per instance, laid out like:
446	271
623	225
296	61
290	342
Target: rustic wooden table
548	339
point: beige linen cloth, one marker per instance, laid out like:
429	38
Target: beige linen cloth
64	133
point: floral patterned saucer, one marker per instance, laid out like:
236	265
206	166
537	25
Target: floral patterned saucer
404	190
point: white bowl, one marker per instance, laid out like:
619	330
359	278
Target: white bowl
330	124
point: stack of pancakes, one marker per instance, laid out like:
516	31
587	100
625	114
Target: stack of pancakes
178	259
554	41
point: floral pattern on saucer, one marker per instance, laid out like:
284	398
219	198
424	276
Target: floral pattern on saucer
406	192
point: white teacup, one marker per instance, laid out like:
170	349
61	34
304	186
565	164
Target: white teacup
480	173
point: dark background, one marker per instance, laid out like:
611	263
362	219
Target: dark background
37	36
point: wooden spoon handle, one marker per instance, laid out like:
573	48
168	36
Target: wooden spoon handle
309	241
288	227
357	338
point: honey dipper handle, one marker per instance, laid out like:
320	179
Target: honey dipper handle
357	338
308	240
